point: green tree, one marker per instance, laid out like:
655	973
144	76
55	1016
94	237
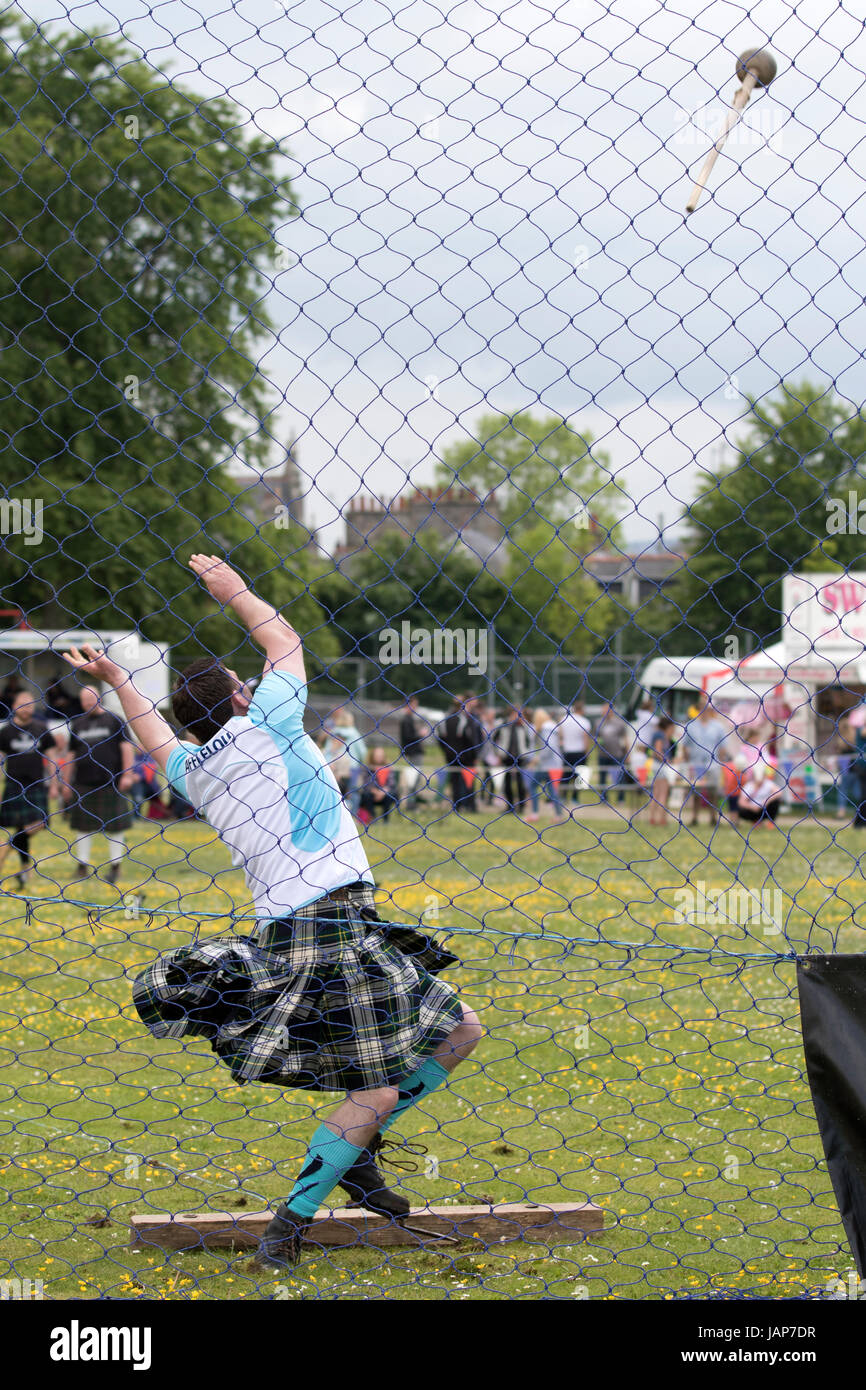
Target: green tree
769	513
538	467
425	581
554	606
137	226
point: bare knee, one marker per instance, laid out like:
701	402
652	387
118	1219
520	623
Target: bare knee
464	1039
380	1102
472	1029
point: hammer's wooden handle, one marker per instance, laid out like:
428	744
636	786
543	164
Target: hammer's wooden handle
740	99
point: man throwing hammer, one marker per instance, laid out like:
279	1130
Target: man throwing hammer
323	998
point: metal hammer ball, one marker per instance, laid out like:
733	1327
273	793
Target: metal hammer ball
755	68
760	62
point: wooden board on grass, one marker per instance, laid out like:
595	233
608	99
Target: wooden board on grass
559	1223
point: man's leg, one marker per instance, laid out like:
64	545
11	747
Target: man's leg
116	850
6	846
335	1147
508	787
434	1071
21	842
456	786
363	1181
81	854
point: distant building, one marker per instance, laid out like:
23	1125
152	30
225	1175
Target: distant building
454	514
634	574
275	494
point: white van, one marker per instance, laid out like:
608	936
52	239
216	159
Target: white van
674	683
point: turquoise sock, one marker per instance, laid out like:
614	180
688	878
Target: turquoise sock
328	1157
429	1076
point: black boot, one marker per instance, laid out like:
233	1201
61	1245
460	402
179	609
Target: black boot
366	1185
281	1242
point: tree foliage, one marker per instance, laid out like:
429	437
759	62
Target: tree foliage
137	226
537	467
766	515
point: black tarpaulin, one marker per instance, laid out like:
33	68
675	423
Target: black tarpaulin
833	1014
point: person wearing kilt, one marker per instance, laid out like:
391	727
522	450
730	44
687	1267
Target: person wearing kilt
96	779
323	996
24	742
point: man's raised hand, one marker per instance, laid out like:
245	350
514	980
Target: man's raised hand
222	582
92	661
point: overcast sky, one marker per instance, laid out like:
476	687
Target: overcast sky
493	220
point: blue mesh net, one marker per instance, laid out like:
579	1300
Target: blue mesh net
399	313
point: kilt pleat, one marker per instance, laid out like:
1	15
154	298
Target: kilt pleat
95	809
321	1001
23	805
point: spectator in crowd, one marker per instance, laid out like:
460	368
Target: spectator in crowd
451	744
857	778
646	723
473	739
848	783
760	792
60	704
441	774
549	761
491	760
573	736
734	769
25	745
413	733
528	763
461	740
336	755
380	790
663	770
342	740
639	740
146	794
12	688
704	745
96	782
515	746
612	738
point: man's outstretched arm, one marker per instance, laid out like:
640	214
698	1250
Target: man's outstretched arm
281	644
150	729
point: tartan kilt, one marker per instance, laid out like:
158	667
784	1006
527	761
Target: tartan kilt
320	1001
24	806
94	809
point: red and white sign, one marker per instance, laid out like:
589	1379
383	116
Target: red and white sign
824	614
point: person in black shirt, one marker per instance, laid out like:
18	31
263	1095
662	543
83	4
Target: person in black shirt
412	748
461	740
473	737
24	808
100	774
12	688
513	741
60	703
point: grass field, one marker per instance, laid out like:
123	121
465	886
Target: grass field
645	1061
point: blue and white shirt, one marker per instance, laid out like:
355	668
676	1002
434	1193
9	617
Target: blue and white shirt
264	786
